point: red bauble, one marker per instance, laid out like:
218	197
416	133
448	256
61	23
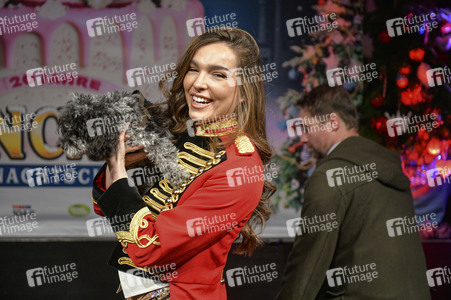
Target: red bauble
434	147
412	97
380	124
416	54
384	37
423	135
377	101
404	70
444	132
402	81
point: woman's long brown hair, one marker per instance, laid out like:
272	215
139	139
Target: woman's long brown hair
250	114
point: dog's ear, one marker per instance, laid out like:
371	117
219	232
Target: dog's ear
74	147
142	104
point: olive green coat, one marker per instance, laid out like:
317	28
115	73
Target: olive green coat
363	209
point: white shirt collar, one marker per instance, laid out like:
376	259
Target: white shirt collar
333	147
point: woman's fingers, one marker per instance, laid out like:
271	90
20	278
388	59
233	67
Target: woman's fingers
125	155
116	163
122	137
130	148
132	158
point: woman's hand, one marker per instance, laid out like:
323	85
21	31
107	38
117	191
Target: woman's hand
123	157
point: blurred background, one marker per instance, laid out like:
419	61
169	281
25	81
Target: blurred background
53	223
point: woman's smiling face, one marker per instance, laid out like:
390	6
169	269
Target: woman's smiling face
208	92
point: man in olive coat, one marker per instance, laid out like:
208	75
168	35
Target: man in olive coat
357	237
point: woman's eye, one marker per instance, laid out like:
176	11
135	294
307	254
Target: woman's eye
192	70
220	75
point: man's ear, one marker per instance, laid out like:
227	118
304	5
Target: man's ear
335	121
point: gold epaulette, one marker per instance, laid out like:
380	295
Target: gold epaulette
244	144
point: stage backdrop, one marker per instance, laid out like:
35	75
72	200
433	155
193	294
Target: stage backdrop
90	50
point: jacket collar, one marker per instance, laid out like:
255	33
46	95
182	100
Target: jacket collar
217	127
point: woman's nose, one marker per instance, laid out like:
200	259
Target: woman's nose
200	83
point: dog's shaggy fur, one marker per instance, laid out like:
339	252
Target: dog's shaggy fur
148	127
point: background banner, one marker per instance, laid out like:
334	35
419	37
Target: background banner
52	51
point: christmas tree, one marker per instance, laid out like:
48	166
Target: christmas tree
326	50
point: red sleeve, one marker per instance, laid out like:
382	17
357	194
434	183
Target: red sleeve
98	189
203	219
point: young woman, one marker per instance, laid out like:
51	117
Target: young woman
185	234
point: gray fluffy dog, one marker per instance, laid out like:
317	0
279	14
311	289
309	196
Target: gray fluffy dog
90	124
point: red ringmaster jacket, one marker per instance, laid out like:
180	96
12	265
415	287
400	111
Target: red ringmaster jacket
196	232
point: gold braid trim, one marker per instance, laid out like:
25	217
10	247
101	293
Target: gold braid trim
199	150
163	196
138	222
164	185
219	127
128	261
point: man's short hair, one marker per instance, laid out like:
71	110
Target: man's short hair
324	99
